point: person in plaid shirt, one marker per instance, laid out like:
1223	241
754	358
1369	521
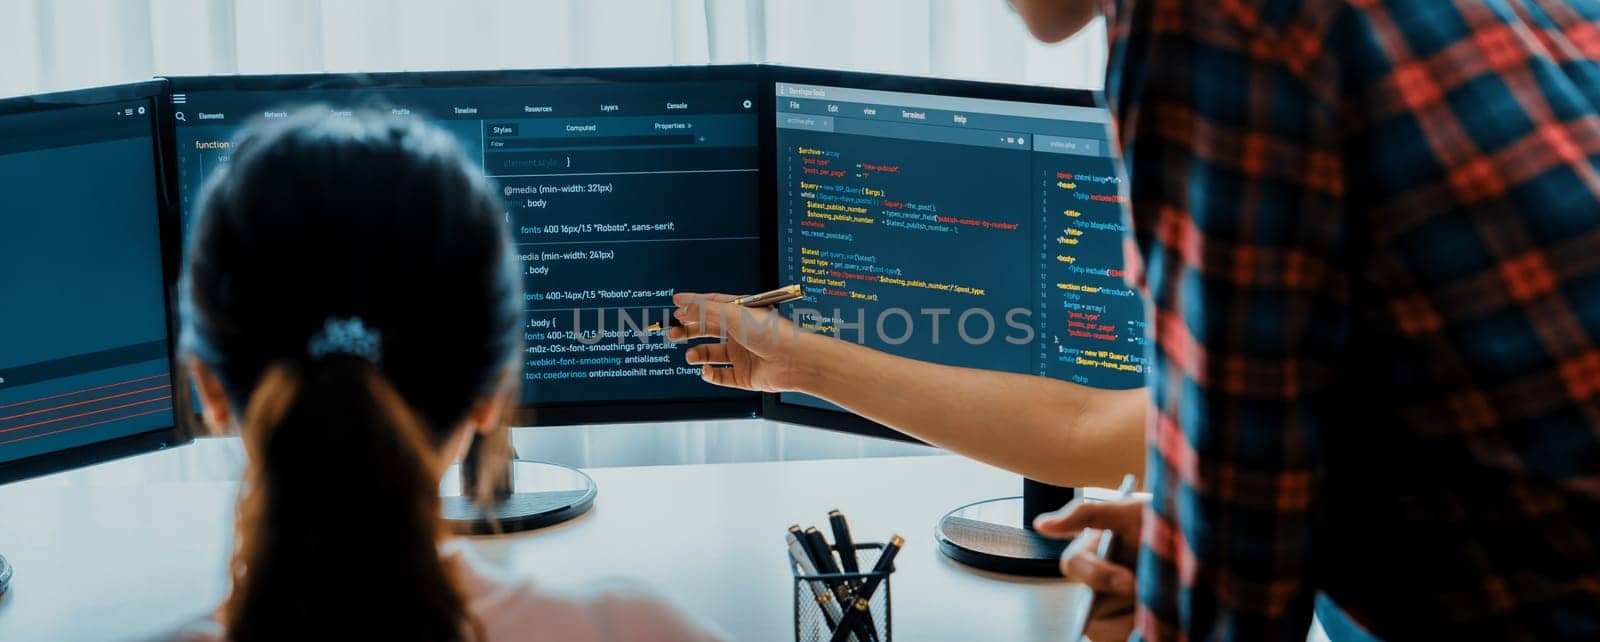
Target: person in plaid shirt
1370	235
1369	231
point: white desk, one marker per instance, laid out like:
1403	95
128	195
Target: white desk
101	562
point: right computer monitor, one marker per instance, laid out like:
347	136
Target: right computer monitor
969	224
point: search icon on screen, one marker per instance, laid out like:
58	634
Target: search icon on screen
180	117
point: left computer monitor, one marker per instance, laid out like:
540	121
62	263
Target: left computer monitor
85	344
621	186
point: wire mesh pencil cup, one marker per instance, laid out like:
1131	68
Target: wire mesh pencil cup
818	603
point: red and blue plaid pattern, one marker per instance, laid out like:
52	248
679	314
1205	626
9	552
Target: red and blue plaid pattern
1370	234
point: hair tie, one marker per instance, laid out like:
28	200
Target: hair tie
346	336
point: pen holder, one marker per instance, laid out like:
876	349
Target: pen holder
812	619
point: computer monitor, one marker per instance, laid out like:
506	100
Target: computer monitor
970	224
85	342
964	223
622	187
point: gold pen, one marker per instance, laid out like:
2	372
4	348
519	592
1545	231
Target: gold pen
766	299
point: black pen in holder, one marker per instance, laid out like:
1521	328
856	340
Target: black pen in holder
815	617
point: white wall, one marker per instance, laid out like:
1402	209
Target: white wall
48	45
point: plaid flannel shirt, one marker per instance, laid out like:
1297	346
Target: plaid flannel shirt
1370	235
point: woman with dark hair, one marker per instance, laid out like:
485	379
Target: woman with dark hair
351	305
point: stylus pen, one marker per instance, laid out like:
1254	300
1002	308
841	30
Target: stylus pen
1086	603
822	556
846	545
860	608
843	540
766	299
825	600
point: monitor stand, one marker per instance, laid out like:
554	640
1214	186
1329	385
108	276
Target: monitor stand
529	495
997	535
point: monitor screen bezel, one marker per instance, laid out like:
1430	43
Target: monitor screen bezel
772	406
540	414
181	431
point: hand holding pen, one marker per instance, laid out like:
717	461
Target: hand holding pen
1101	556
766	299
756	351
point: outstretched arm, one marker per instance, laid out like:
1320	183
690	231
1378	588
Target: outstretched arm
1048	430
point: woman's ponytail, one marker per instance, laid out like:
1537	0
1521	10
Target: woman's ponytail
339	528
352	286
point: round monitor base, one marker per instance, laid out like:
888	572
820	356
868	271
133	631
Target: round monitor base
543	494
988	536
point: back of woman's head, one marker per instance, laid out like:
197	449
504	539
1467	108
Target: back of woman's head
350	284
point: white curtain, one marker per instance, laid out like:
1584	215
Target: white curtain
48	45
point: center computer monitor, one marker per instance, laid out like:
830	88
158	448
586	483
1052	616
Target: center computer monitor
970	224
622	186
85	367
